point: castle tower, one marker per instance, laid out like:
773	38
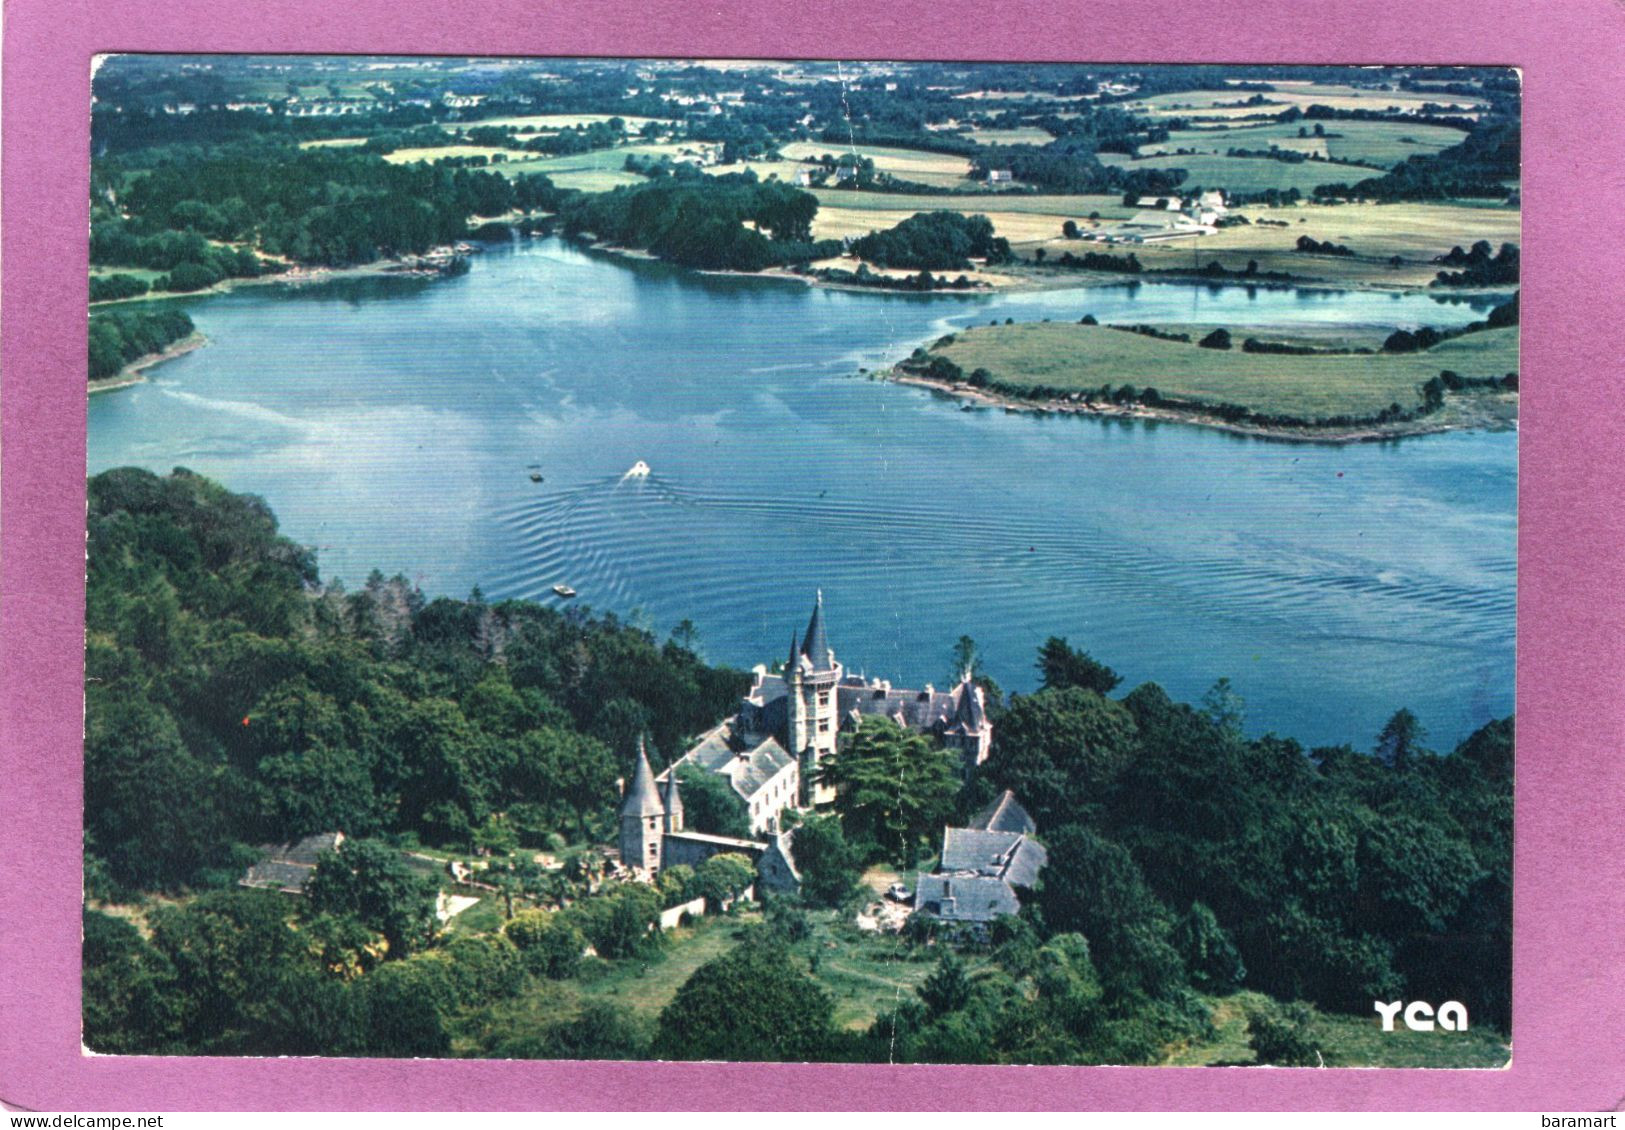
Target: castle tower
643	817
812	676
969	731
674	803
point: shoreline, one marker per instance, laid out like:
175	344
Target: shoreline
1365	433
136	371
1030	278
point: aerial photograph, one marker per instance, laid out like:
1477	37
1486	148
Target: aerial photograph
801	560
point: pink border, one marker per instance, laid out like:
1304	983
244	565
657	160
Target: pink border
1570	1011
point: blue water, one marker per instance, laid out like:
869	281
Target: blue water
393	423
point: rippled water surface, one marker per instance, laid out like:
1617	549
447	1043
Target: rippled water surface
395	423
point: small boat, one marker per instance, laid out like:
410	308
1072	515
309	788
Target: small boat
564	590
535	476
639	470
967	406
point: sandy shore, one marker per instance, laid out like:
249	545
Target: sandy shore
1488	412
136	371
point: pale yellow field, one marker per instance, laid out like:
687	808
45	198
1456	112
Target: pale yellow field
1414	232
942	169
545	122
596	180
438	152
1201	103
1026	135
333	143
1020	219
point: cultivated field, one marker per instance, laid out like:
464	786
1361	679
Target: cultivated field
1026	135
1375	232
1383	143
1020	219
548	123
944	170
440	152
1248	174
1070	356
333	143
1225	103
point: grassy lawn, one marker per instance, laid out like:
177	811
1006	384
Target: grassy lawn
865	973
1066	355
1347	1041
646	987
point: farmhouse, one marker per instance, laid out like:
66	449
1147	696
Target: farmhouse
999	176
983	866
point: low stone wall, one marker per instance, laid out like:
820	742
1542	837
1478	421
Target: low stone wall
671	916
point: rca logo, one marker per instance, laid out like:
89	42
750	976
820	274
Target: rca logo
1421	1017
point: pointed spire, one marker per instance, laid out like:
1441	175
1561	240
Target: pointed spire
790	664
642	797
674	802
814	643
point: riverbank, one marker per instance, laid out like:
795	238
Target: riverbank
301	276
1474	412
135	372
1324	396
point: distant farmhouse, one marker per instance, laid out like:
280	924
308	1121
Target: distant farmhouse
983	866
770	750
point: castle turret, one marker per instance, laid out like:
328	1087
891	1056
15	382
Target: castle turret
674	803
643	817
969	731
812	677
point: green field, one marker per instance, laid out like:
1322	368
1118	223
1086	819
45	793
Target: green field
944	170
1346	1041
1070	356
1213	103
1253	174
1383	143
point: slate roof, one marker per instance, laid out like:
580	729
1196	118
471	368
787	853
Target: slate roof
642	798
287	867
1004	814
814	642
969	712
962	898
674	802
919	710
1003	855
749	761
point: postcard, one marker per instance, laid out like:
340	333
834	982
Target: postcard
762	563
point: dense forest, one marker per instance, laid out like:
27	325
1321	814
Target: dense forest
116	339
233	698
703	223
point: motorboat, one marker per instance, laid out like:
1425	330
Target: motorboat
564	590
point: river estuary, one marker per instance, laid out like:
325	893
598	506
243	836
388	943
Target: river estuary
396	423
